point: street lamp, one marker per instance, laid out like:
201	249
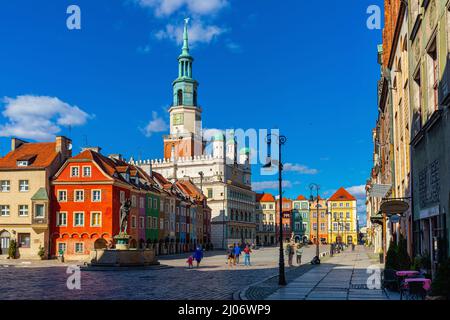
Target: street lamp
312	187
281	141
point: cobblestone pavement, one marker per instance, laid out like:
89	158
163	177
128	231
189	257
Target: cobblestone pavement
214	280
342	277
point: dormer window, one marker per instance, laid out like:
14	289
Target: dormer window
74	171
87	171
22	163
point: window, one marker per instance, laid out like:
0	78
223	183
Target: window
347	226
133	221
133	201
314	214
4	211
39	211
341	215
178	227
23	210
348	215
340	204
5	186
96	219
86	171
61	219
322	226
179	97
62	195
141	222
78	219
122	196
314	226
79	195
79	247
161	224
74	171
24	240
335	226
23	185
155	203
155	223
62	247
22	163
271	206
210	192
347	204
322	214
141	203
96	195
433	77
149	222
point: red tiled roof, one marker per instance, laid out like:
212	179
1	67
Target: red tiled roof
44	153
264	197
300	197
342	195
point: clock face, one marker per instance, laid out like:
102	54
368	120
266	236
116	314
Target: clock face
178	119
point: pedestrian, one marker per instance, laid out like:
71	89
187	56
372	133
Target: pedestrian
198	255
289	253
299	253
237	253
190	261
230	255
353	246
247	252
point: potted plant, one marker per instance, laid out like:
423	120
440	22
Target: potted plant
12	250
440	287
41	252
392	261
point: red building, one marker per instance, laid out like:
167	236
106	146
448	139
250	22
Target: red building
286	219
86	197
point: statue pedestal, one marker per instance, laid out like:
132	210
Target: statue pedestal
122	241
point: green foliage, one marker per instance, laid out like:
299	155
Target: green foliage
41	252
12	250
392	256
404	261
441	283
417	263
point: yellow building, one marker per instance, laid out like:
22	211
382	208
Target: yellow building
342	227
25	173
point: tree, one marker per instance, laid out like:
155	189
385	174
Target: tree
404	261
392	256
441	283
12	250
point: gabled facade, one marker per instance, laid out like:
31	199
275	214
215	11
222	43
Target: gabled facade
265	219
286	219
25	192
342	225
300	219
318	221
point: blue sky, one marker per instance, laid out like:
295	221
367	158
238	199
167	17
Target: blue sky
306	67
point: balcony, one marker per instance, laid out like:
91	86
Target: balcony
39	223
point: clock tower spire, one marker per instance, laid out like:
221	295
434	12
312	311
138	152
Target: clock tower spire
185	114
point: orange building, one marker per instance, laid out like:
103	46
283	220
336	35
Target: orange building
286	219
318	221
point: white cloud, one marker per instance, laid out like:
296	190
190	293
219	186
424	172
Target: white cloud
208	134
194	7
198	33
299	168
233	47
144	49
358	191
269	185
157	124
39	117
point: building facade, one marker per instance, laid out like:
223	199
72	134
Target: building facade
342	224
286	220
25	190
265	218
223	173
318	220
300	219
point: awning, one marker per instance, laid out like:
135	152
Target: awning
391	207
379	190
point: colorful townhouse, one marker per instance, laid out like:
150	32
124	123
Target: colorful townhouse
286	220
300	219
87	193
318	219
265	218
343	224
25	190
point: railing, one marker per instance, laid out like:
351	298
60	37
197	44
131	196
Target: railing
39	221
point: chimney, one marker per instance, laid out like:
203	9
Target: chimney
95	149
15	143
116	156
64	146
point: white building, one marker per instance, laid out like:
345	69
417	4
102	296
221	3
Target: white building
224	174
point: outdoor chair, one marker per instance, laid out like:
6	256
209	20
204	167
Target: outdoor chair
390	279
416	291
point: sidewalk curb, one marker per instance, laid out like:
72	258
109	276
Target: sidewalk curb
241	294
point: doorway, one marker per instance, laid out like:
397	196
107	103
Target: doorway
5	238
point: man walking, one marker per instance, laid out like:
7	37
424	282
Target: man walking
237	253
299	253
247	252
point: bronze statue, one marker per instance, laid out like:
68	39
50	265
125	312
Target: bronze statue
124	213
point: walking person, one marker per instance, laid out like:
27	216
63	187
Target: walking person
237	253
247	252
299	253
230	256
353	246
198	255
190	261
289	253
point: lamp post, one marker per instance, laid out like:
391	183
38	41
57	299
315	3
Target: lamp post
281	141
331	228
312	187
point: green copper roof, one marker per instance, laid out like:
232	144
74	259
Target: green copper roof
185	49
41	194
245	151
219	137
